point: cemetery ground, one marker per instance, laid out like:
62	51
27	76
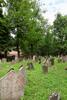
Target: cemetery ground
40	85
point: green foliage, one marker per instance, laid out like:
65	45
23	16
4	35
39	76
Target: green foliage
4	34
39	86
25	17
60	34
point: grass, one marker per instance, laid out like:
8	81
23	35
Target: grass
39	85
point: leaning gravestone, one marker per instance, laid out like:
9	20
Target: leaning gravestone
12	85
54	96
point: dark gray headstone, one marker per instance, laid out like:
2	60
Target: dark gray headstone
45	68
52	60
59	59
30	65
66	68
39	60
54	96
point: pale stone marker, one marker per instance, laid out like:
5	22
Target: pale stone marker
0	60
34	57
48	62
12	85
4	60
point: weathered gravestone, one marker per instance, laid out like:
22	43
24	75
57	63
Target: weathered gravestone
0	60
66	68
12	85
13	62
45	68
34	57
48	62
52	60
39	58
59	59
30	66
54	96
4	60
64	58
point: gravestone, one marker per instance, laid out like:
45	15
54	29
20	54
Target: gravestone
39	59
54	96
12	85
13	62
10	58
64	58
59	59
4	60
52	60
0	60
48	62
30	65
66	68
45	68
34	57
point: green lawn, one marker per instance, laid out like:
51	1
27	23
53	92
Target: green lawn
39	85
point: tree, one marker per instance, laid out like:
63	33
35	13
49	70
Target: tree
60	34
26	23
4	34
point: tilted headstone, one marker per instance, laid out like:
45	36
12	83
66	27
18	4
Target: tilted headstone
54	96
12	85
30	65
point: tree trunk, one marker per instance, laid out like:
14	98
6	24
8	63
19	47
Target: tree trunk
18	50
5	54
